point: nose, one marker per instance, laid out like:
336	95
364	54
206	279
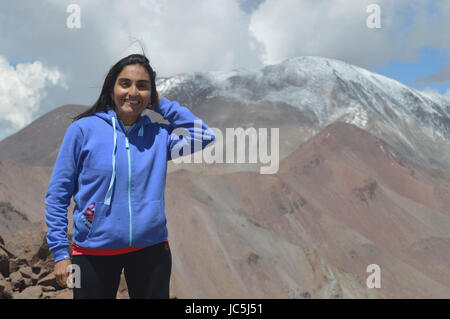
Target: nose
133	91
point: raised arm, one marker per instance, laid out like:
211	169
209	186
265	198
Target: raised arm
187	133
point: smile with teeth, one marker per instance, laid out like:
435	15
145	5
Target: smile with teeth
132	102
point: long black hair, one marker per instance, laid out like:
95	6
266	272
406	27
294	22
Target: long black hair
105	101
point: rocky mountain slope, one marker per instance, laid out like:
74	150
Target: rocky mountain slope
22	194
363	180
38	143
342	201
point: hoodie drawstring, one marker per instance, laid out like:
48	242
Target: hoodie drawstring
113	177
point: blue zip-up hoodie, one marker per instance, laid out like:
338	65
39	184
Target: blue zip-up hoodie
117	181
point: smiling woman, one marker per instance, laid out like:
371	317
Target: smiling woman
113	161
131	80
131	93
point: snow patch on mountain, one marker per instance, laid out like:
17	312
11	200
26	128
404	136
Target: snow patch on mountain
331	90
357	116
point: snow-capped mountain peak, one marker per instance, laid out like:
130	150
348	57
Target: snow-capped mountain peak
331	90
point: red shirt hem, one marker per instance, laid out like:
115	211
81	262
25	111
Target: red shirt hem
78	250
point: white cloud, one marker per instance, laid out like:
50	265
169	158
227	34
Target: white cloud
21	91
430	90
338	29
180	36
447	94
205	35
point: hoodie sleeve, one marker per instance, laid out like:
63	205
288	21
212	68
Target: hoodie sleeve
60	190
196	134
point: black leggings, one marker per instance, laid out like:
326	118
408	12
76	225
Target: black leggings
147	273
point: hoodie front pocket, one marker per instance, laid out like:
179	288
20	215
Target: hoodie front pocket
109	228
87	217
85	222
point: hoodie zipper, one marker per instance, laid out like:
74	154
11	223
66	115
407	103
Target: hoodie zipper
127	145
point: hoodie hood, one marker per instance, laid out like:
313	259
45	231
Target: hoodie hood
142	121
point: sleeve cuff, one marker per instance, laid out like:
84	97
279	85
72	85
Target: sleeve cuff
61	255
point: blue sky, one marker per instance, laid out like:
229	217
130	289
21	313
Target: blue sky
431	60
250	5
419	73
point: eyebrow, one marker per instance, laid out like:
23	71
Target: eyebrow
126	79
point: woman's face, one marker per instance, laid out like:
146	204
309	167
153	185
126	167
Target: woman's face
132	92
